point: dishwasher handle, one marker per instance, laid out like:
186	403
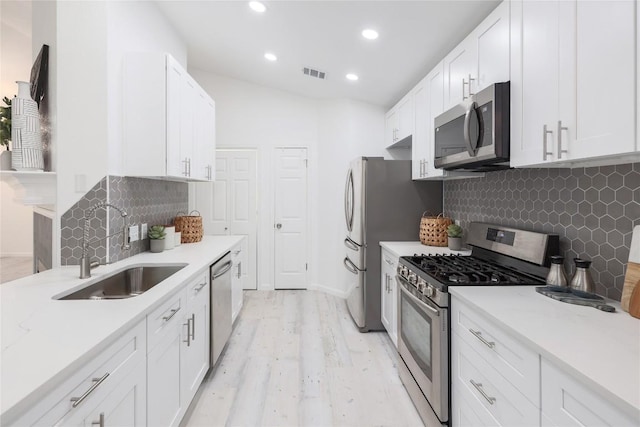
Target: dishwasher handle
226	267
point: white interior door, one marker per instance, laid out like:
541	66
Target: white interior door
290	223
229	205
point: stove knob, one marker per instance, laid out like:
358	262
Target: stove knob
413	278
431	291
422	285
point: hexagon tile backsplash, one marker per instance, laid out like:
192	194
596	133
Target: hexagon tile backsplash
145	201
593	210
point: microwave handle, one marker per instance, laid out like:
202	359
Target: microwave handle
472	146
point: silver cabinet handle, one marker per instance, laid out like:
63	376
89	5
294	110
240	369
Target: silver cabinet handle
184	172
278	226
189	165
560	129
463	85
236	252
545	153
478	387
193	326
386	282
470	80
388	261
188	325
96	382
478	335
239	269
199	288
100	421
173	313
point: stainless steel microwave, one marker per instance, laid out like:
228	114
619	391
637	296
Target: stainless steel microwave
475	135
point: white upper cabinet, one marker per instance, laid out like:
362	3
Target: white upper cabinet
480	60
573	74
428	102
420	139
459	74
169	121
399	121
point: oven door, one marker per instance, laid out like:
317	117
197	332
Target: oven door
423	344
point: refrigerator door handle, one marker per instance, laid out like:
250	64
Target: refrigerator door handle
351	244
350	266
348	200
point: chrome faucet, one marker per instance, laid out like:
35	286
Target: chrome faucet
85	260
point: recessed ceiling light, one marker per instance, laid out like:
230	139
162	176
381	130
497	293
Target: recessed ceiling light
352	77
370	34
270	56
257	6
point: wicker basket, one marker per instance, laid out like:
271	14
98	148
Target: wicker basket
433	229
190	226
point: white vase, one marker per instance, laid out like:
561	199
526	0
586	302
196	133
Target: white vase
169	238
26	139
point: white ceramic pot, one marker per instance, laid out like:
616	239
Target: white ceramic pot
455	243
156	245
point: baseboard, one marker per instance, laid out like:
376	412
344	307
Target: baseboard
328	290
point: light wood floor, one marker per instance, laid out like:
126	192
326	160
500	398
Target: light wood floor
15	267
295	358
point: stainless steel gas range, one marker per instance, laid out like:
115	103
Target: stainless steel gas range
501	256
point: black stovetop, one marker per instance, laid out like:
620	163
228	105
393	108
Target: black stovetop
459	270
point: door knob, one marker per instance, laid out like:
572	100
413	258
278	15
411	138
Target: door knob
278	226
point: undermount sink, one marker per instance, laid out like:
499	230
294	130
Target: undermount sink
126	283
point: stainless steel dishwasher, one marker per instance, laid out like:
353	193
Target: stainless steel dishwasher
220	305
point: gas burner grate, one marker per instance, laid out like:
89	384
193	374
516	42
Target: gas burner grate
468	270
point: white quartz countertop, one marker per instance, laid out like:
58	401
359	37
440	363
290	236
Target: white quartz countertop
44	340
602	350
411	248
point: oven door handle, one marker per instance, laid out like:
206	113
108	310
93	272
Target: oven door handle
415	299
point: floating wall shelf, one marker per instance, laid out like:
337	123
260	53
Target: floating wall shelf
32	188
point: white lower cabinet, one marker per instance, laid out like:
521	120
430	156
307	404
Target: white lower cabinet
389	300
195	362
496	380
567	402
125	405
113	383
180	358
239	257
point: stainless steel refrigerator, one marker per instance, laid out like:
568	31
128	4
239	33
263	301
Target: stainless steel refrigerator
381	203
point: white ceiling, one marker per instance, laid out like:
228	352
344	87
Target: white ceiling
228	38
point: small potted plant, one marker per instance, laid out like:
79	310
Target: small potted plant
454	233
156	238
5	134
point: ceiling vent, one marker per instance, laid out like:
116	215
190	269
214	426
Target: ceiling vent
314	73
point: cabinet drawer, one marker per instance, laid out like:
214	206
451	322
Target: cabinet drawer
197	287
491	395
567	402
165	318
91	382
515	362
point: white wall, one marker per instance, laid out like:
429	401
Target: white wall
253	116
16	219
87	41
